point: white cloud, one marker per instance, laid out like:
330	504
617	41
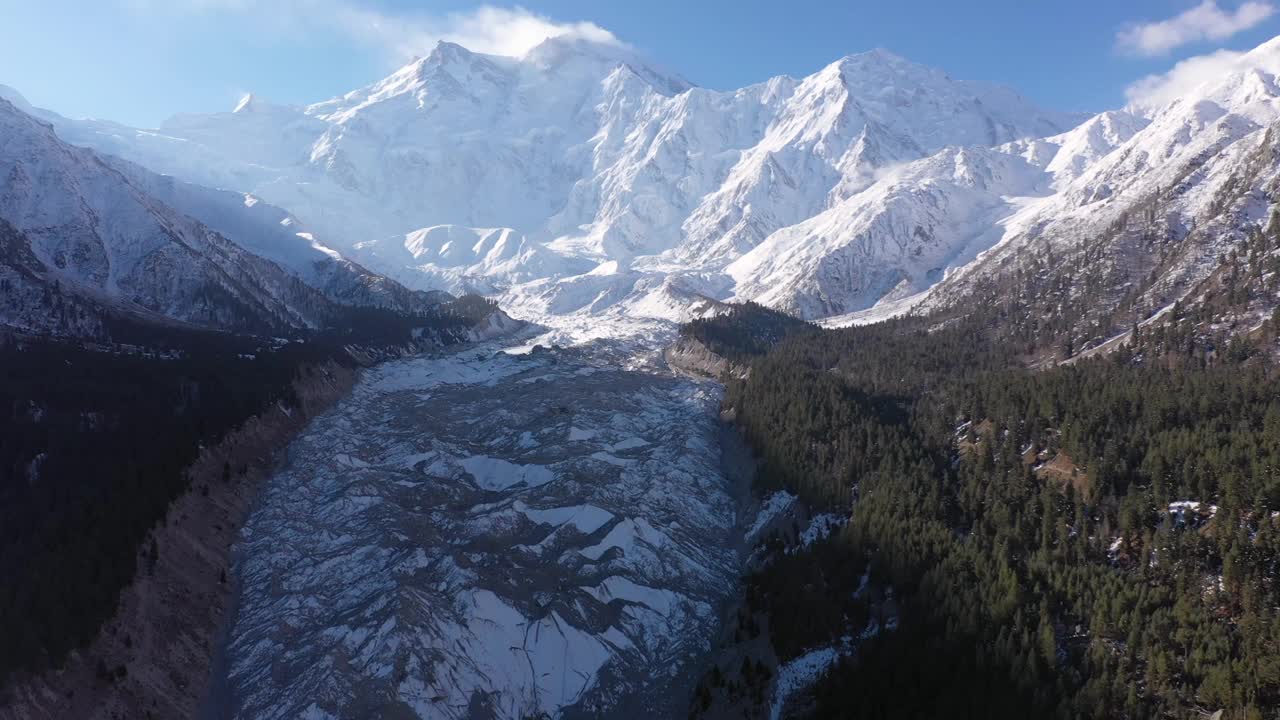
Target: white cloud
487	29
1205	21
500	31
1154	91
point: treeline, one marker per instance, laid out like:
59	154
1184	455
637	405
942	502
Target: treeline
95	440
1025	521
471	308
1054	304
744	331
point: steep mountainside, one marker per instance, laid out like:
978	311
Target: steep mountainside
583	186
84	234
1183	199
582	181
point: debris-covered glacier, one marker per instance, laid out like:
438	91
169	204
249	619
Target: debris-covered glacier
485	534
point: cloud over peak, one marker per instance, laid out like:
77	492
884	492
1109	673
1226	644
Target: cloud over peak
486	29
1154	91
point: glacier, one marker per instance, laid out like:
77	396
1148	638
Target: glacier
490	534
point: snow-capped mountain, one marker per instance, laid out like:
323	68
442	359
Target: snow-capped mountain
895	237
587	179
1149	205
918	221
581	184
98	232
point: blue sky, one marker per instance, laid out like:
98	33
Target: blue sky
138	61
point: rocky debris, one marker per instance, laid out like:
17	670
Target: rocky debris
485	533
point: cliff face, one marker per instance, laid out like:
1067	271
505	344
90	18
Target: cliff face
692	357
153	660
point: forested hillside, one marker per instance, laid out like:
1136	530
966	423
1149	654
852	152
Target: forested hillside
1098	539
96	439
1050	307
744	331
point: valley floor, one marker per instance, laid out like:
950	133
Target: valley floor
501	531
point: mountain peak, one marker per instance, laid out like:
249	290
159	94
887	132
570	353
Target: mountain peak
878	55
248	103
252	104
446	50
561	51
1270	47
881	66
571	44
599	56
455	60
1244	83
16	98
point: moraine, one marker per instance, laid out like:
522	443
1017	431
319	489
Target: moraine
489	534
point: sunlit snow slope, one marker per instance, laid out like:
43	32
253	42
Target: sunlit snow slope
589	189
106	233
579	180
1161	193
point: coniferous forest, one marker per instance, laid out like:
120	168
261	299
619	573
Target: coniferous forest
96	438
1096	539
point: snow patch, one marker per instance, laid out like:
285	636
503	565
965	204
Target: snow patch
498	474
773	506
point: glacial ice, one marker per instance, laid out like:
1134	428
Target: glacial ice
450	542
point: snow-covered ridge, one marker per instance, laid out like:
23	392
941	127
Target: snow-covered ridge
91	228
1171	190
581	184
117	234
583	178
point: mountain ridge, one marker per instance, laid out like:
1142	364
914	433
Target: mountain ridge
106	235
587	152
620	192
